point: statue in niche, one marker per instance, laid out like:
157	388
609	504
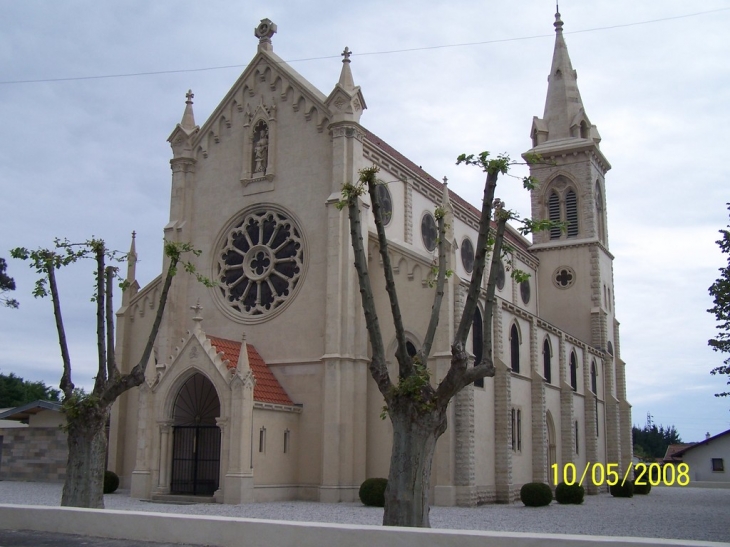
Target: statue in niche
260	147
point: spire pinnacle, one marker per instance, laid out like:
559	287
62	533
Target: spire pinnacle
188	119
346	79
564	116
132	259
558	24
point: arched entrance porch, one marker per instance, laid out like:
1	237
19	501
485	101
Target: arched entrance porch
196	439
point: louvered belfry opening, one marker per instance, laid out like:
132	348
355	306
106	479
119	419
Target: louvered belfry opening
554	214
571	213
196	439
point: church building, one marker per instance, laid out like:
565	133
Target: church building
259	389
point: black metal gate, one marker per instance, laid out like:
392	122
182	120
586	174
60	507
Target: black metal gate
195	459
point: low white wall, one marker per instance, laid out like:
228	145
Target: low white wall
234	532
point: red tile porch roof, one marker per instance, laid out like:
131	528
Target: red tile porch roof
267	388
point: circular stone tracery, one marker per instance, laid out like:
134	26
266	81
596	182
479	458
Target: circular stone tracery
261	263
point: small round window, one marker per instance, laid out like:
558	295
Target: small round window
500	276
429	231
564	277
525	291
467	255
386	203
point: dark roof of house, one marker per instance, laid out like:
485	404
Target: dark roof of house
671	454
267	388
703	443
24	412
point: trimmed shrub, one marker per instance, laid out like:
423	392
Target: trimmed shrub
372	492
625	491
111	482
642	489
569	493
536	494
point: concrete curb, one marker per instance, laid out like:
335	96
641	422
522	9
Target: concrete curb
233	532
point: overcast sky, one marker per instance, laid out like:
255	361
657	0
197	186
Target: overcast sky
83	154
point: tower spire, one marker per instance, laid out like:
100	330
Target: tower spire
564	116
188	119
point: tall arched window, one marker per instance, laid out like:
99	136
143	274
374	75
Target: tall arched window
573	371
514	339
571	213
594	375
476	342
546	365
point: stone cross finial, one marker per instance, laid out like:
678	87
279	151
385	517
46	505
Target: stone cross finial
446	181
134	234
189	96
264	32
197	308
346	54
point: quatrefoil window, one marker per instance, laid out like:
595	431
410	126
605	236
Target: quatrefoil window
564	277
261	263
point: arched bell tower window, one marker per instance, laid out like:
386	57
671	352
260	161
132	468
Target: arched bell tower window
514	339
562	206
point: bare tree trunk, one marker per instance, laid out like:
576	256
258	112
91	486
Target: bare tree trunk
84	485
415	432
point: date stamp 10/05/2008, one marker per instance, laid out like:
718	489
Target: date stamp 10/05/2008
599	474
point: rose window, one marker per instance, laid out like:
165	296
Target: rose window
261	263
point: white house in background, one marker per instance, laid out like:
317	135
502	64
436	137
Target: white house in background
708	460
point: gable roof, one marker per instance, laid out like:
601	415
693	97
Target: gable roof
686	449
24	412
267	388
673	450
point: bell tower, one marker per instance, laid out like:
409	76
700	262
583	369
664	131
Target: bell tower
576	279
576	267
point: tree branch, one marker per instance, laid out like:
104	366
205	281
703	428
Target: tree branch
491	303
111	365
66	384
100	330
480	258
405	365
439	296
378	367
120	384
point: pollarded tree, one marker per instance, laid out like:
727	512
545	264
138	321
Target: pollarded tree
87	414
7	283
720	291
416	407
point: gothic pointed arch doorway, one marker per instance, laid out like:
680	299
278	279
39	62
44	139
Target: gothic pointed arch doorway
196	438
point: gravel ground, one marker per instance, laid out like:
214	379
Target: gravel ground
675	513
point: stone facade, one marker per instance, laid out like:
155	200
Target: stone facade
33	454
256	189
